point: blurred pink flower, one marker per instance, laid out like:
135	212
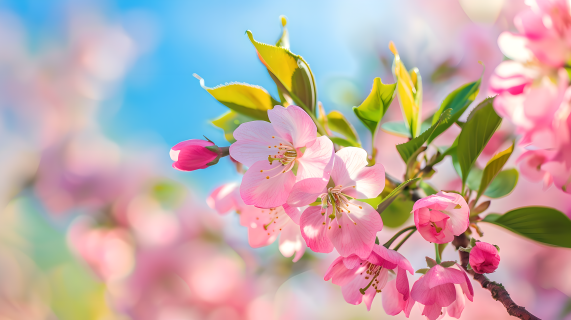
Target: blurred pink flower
484	258
272	150
226	198
264	226
441	216
192	155
341	221
441	288
362	279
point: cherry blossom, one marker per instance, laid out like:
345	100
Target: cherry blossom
484	258
274	150
341	221
192	155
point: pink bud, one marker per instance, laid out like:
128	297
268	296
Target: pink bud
484	258
192	154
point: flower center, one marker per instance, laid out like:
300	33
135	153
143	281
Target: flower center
286	156
372	271
339	201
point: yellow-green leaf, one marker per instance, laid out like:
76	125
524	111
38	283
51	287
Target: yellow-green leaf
246	99
409	92
229	122
372	110
283	41
338	123
494	167
290	72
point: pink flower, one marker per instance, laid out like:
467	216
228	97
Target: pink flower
226	198
441	216
441	288
192	155
484	258
274	151
362	279
264	226
531	163
341	221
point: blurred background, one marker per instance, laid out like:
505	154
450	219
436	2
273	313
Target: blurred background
95	224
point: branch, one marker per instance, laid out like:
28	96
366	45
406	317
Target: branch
497	289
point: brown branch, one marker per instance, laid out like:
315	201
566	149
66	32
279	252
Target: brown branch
497	289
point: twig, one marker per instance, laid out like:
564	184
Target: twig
497	289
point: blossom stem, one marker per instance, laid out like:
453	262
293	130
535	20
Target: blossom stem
388	243
404	240
437	253
497	290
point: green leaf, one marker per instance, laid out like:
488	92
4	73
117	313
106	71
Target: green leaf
481	125
493	168
458	101
393	194
229	122
422	270
283	41
503	184
408	149
338	123
409	92
372	110
399	128
542	224
427	188
430	262
447	264
290	72
374	202
441	247
398	212
246	99
344	142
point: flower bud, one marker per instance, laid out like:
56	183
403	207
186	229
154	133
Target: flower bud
194	154
484	258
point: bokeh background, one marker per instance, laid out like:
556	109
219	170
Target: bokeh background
95	224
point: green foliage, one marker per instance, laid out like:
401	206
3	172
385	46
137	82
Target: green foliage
283	41
458	101
542	224
493	168
290	72
399	128
502	185
427	188
229	122
398	212
245	99
338	123
393	194
169	193
372	110
408	149
409	92
481	125
344	142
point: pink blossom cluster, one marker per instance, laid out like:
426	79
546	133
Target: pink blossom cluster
533	89
298	188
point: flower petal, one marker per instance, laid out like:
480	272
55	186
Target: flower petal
294	212
432	312
255	141
421	292
393	256
456	308
339	273
317	160
393	302
306	191
354	231
313	225
191	155
291	240
438	275
402	283
225	198
352	294
351	169
265	185
293	124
